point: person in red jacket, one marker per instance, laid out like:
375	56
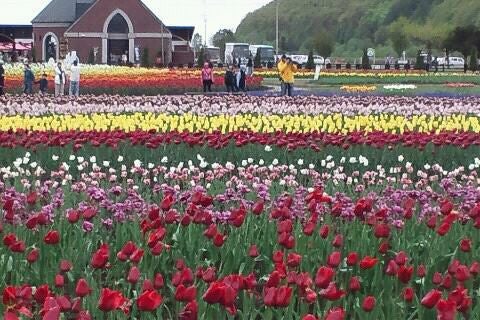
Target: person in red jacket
207	77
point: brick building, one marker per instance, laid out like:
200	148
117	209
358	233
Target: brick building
112	29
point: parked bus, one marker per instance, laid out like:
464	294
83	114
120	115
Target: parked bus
212	54
267	53
239	51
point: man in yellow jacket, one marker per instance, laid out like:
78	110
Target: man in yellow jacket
287	69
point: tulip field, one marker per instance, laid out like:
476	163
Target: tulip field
239	207
103	79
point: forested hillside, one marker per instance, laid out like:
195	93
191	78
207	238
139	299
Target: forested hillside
351	25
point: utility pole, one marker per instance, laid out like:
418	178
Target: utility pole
205	21
276	29
163	51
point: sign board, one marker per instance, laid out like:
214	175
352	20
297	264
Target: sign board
371	52
63	48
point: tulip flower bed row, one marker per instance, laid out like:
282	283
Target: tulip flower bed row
164	123
114	239
128	81
236	105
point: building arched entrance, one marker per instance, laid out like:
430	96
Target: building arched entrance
50	47
118	41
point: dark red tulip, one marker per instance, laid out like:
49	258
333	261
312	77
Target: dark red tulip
219	239
324	230
52	237
352	258
33	255
293	260
332	293
65	266
258	206
421	271
462	273
338	241
466	245
185	294
133	275
382	231
354	284
369	303
158	281
59	281
404	274
253	251
336	313
100	257
408	294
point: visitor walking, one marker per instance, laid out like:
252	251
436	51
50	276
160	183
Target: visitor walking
281	66
75	79
2	78
59	80
230	79
287	72
207	77
28	80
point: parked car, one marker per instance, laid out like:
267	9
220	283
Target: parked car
455	62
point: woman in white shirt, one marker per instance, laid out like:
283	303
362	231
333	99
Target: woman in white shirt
59	80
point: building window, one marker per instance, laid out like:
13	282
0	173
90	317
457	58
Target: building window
118	24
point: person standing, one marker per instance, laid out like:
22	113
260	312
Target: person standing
250	67
28	80
230	79
207	77
281	66
75	79
287	72
2	78
241	80
59	80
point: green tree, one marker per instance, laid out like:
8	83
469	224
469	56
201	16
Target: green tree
257	62
310	62
201	57
145	61
220	38
474	60
398	36
91	57
419	63
462	39
324	44
197	42
365	60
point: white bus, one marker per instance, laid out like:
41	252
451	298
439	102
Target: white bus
212	54
237	51
267	53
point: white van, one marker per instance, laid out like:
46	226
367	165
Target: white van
456	62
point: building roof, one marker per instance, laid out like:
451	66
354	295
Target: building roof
61	11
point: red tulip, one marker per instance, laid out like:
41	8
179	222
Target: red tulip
111	300
133	275
52	237
100	257
324	230
65	266
32	198
401	258
462	273
253	251
190	312
447	282
257	207
338	241
421	271
219	239
59	281
82	289
383	247
408	294
437	278
354	284
382	231
324	277
431	298
392	268
466	245
9	239
41	294
332	293
368	262
309	317
352	258
33	255
158	281
8	315
368	303
334	259
336	313
293	260
149	300
443	229
185	294
73	216
475	268
18	247
446	310
404	274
